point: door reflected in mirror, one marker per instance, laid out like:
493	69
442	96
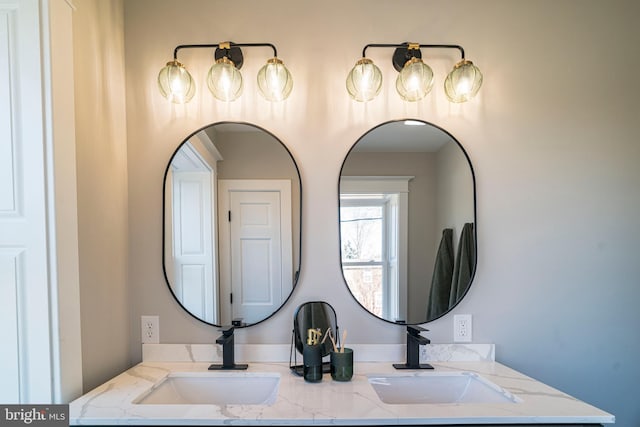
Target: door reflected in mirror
407	221
231	233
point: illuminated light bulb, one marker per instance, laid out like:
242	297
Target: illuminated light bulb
175	83
415	80
224	80
364	80
414	123
274	81
463	82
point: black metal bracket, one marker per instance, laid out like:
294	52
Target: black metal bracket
405	51
229	50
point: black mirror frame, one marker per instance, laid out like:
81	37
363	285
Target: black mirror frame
475	216
296	275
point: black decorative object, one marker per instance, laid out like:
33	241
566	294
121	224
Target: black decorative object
312	315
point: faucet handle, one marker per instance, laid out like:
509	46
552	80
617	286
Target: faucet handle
415	330
227	330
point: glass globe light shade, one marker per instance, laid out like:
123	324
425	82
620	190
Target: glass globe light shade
415	80
175	83
275	81
364	80
463	82
224	80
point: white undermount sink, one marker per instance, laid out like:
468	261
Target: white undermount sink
438	387
213	388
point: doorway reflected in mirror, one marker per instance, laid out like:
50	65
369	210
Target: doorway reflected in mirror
232	217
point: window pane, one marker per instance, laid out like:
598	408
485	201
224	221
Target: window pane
366	285
361	233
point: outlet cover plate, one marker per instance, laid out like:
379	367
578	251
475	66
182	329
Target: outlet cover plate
150	329
462	328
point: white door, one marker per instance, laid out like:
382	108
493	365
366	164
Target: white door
40	354
17	230
259	272
194	281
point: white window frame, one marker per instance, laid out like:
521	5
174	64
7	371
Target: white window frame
395	196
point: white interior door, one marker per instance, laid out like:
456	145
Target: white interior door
40	358
12	246
259	249
193	257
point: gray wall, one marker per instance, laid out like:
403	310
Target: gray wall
553	136
101	157
454	189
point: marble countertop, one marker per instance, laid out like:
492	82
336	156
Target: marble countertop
329	402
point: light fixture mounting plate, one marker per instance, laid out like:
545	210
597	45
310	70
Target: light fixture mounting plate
402	54
234	53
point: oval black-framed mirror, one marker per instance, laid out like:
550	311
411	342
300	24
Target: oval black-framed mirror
231	237
407	209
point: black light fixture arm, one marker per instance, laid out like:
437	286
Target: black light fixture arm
222	46
406	51
406	46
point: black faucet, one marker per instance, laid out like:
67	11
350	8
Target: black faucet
414	341
227	340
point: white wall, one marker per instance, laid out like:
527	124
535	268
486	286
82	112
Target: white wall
552	137
102	188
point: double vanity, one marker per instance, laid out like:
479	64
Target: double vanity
232	217
172	386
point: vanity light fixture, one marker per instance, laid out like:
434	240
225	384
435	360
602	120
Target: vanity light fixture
415	78
224	78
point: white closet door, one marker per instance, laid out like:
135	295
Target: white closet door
24	278
40	360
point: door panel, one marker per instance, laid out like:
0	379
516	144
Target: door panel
256	256
193	253
256	262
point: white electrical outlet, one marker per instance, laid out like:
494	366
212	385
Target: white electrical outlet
462	328
150	327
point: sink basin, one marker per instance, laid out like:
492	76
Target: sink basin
438	387
217	388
